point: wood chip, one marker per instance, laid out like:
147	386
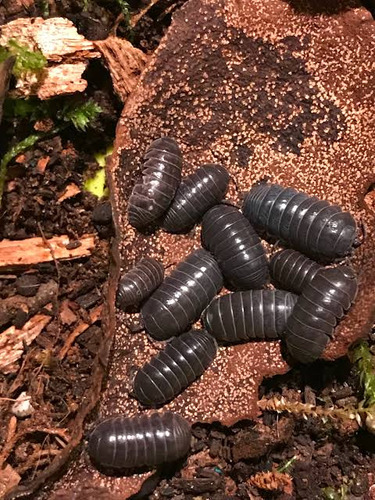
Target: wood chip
82	327
9	478
34	250
124	62
42	164
70	191
12	340
66	51
67	316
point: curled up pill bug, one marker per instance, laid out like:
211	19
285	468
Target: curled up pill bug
196	194
146	440
292	270
183	295
236	246
323	302
315	227
249	315
139	283
174	368
161	176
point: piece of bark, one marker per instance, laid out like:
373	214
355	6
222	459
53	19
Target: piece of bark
9	478
5	74
70	190
11	306
12	340
33	251
67	53
124	62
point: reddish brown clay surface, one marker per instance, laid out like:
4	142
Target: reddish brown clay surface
269	93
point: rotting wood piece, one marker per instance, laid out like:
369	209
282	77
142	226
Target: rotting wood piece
124	62
31	251
66	51
12	340
11	306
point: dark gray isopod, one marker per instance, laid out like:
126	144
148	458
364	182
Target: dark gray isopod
314	227
322	303
196	194
146	440
236	246
161	177
139	283
292	270
174	368
250	315
183	295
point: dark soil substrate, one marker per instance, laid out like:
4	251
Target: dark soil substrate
223	459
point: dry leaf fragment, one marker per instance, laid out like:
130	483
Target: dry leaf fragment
272	481
70	191
12	340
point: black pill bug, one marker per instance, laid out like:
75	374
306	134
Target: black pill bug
196	194
292	270
323	302
236	246
174	368
312	226
161	177
184	294
122	443
139	283
250	315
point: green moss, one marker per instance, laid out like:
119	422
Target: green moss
81	115
364	360
27	61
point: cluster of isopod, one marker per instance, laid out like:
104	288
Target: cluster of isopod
303	313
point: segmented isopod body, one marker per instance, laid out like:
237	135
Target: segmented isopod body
122	443
139	283
322	303
181	298
196	194
161	177
182	361
315	227
236	246
292	270
250	315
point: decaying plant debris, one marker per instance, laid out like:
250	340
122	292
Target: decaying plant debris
199	77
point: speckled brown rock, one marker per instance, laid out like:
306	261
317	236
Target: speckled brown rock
267	92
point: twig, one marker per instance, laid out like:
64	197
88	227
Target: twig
137	17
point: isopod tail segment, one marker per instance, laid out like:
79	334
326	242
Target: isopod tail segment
323	302
174	368
161	176
317	228
291	270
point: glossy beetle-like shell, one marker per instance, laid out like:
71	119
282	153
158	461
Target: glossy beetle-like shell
174	368
138	283
322	303
122	443
312	226
250	315
292	270
236	246
196	194
184	294
161	176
